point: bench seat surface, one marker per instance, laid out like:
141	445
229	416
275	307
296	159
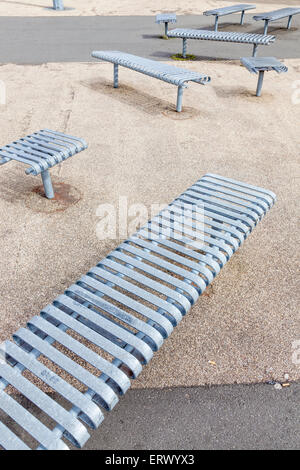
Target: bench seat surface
277	14
228	10
169	73
226	36
256	64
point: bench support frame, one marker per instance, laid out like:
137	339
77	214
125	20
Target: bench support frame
116	76
287	27
184	48
46	178
217	20
58	5
260	80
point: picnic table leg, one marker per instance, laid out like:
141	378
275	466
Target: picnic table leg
116	75
266	26
216	22
242	17
260	82
58	4
289	21
254	50
166	28
179	99
184	47
46	178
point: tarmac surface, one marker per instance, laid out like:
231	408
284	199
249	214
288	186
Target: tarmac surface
39	40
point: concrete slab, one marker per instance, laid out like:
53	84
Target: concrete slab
71	39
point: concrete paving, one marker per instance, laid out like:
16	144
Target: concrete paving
71	39
184	418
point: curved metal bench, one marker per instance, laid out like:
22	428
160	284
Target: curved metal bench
242	7
260	65
223	36
127	305
277	15
167	73
41	151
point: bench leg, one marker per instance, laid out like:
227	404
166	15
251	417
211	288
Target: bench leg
58	4
166	28
116	75
254	50
260	82
242	17
179	99
266	26
216	22
184	47
46	178
289	21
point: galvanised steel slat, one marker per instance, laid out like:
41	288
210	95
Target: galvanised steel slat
239	184
89	411
207	235
41	151
158	267
218	210
102	393
92	299
141	256
166	227
114	329
166	327
46	327
9	441
139	292
234	237
74	430
185	273
205	183
228	197
183	304
222	203
30	423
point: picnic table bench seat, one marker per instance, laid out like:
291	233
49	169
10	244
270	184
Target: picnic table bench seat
41	151
241	7
167	73
223	36
277	15
260	65
127	305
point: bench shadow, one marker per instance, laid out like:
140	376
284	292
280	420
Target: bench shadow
243	93
24	3
14	184
196	58
128	95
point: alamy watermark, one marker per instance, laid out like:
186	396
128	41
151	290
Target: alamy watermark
2	92
296	352
178	221
296	92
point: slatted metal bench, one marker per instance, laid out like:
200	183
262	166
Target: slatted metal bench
127	305
260	65
42	150
166	18
223	36
277	15
242	7
167	73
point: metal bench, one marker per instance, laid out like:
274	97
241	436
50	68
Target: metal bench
166	18
202	34
41	151
260	65
277	15
126	305
242	7
168	73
